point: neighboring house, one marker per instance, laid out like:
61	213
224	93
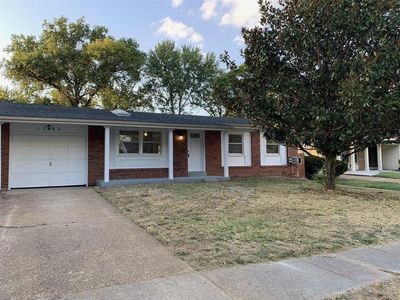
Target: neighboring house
45	146
379	158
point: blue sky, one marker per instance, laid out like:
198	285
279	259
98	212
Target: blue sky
214	25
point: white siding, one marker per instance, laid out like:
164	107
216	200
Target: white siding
239	159
390	157
137	161
272	159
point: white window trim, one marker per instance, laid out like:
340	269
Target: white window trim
283	155
272	154
140	131
236	154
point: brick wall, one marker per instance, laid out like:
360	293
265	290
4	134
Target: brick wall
95	154
180	154
5	154
138	173
213	160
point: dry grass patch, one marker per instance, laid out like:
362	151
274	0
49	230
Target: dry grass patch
386	290
255	220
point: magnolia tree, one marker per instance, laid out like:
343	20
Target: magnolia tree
323	73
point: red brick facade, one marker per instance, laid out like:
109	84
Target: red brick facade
180	154
214	167
5	154
212	151
95	154
138	173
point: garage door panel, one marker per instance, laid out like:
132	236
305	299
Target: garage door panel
21	166
46	160
40	166
39	179
76	153
58	152
58	166
22	145
20	180
40	140
77	166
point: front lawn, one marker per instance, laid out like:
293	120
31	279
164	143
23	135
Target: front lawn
256	220
370	184
392	175
385	290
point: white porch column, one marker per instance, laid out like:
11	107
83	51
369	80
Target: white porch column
226	153
106	154
353	161
170	154
379	154
366	160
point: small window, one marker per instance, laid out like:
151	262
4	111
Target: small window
128	142
272	147
152	142
235	143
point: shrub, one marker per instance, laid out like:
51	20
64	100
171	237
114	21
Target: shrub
312	166
341	167
315	167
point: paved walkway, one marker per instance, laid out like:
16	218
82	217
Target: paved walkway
370	178
71	244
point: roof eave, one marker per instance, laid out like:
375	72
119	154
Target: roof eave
116	123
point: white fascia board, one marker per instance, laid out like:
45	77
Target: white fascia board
115	123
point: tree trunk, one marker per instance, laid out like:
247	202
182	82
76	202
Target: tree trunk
330	179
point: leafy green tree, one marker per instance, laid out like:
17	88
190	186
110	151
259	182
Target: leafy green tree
324	73
73	63
178	78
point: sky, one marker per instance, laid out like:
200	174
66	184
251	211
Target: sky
213	25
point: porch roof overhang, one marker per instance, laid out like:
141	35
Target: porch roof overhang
29	113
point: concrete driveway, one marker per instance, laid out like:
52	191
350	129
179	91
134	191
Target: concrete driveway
60	241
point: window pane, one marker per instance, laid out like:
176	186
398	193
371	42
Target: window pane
128	142
235	148
235	138
150	136
273	148
153	148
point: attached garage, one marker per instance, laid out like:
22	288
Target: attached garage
43	155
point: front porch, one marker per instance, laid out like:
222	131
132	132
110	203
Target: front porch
374	160
172	155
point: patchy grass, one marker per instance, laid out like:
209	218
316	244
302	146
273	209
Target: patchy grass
386	290
392	175
256	220
370	184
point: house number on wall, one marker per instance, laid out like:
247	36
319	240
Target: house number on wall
50	128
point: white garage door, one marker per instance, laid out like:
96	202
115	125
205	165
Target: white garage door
46	160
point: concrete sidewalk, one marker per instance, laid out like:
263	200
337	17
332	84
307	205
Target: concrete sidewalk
316	277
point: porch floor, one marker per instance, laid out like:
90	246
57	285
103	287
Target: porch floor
122	182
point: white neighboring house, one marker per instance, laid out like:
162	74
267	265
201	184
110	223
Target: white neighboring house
379	158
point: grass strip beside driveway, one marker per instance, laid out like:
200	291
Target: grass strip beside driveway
370	184
260	219
392	175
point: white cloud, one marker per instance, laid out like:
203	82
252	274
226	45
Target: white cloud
238	40
176	3
241	13
237	13
178	31
208	9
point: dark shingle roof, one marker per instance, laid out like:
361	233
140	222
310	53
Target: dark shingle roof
8	109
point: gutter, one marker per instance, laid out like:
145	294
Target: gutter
117	123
